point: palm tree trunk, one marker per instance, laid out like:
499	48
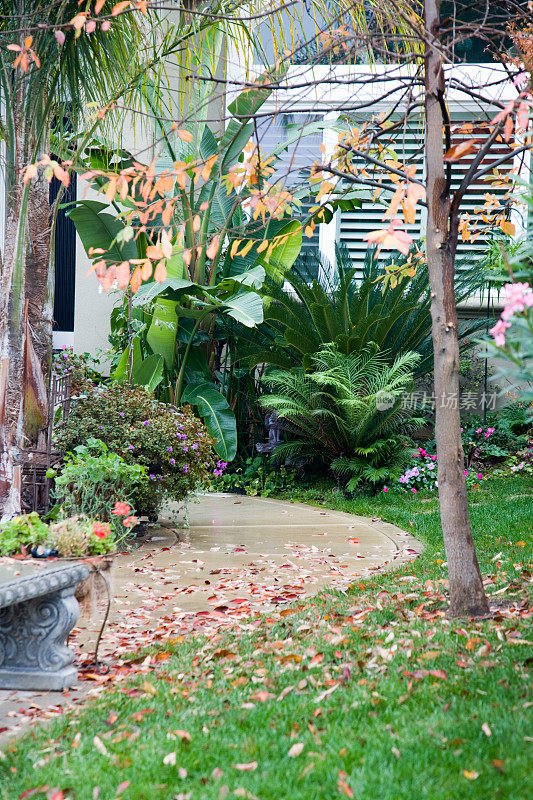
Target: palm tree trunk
12	298
467	596
25	305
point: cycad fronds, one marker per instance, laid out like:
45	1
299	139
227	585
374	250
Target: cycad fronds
347	413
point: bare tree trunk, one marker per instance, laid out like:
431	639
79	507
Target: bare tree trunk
467	596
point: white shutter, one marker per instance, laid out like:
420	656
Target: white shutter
355	224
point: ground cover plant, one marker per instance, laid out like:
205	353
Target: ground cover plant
341	696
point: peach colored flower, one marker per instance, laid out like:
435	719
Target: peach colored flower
101	529
121	509
130	522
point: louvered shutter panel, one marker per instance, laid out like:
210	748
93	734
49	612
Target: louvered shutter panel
474	198
355	224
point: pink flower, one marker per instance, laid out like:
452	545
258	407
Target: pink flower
121	509
385	488
433	458
518	297
130	522
466	472
479	475
101	529
414	491
498	332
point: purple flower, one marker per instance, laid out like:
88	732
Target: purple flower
121	413
385	488
131	447
194	446
170	449
152	477
172	461
100	427
145	422
185	467
185	448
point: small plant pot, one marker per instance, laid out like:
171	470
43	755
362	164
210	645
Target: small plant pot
98	587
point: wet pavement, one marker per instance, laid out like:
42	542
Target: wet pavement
239	557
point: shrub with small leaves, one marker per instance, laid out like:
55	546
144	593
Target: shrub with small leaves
81	365
172	445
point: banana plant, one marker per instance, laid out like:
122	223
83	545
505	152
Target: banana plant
232	229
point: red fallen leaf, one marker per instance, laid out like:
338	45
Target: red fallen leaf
138	715
262	696
438	673
57	796
316	659
31	792
354	540
461	663
183	735
121	787
343	786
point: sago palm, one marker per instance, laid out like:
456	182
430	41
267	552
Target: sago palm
320	303
346	413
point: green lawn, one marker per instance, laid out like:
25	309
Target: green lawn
382	695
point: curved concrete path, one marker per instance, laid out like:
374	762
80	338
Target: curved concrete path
240	556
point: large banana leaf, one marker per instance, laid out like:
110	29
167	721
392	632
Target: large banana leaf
161	335
97	228
217	416
149	372
121	372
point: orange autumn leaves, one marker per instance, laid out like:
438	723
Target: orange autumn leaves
85	21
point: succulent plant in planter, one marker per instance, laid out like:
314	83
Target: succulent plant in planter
79	536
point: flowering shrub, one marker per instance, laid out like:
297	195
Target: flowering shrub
79	364
81	536
494	443
173	446
71	537
423	475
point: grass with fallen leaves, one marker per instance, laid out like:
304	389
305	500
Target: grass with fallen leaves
373	694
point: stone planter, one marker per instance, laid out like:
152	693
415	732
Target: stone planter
96	587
